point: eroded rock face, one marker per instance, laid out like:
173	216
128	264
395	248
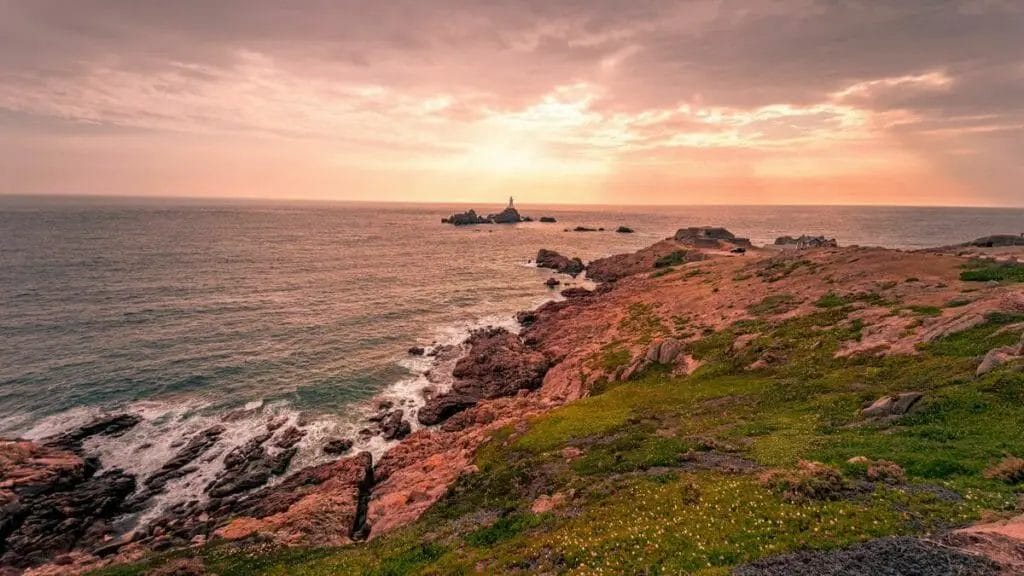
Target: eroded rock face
321	505
891	406
999	356
561	264
498	364
444	406
665	351
42	526
614	268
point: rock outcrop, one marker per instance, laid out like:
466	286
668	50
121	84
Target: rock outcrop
561	264
997	240
322	505
999	356
465	219
708	237
891	406
498	364
52	500
614	268
804	242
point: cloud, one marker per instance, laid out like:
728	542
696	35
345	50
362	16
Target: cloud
597	91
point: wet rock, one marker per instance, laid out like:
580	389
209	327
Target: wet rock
337	446
48	524
624	230
584	229
562	264
576	292
290	437
526	317
417	351
548	219
498	364
444	406
891	406
319	505
395	427
177	466
249	466
894	555
105	426
551	282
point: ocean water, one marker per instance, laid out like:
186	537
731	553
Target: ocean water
187	311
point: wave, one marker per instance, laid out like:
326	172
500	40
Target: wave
167	424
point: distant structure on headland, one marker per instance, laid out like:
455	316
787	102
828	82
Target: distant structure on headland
507	216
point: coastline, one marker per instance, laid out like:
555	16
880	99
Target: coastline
394	489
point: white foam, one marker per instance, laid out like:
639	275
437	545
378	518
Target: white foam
167	425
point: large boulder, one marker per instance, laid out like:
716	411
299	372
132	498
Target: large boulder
999	356
891	406
444	406
665	351
498	364
561	264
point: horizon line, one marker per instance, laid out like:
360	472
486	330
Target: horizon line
60	195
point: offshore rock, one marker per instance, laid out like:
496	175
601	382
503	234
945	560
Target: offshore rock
465	218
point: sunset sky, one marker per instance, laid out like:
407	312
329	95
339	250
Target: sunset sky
589	101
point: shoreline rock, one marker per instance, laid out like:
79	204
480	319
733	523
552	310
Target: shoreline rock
561	264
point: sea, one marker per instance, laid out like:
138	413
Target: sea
191	313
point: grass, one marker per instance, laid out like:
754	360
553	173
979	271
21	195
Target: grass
672	259
989	270
637	502
774	304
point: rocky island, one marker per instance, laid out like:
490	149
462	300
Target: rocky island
826	410
507	216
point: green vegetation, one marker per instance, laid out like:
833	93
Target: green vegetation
698	474
989	270
834	300
672	259
774	304
925	310
642	323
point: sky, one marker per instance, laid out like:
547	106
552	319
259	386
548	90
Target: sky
917	102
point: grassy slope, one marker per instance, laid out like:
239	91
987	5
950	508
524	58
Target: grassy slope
638	506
